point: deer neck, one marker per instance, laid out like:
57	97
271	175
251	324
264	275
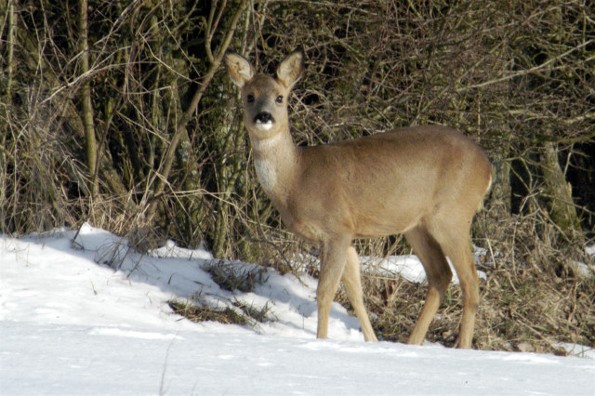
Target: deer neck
276	161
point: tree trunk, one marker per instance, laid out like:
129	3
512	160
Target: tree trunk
501	189
87	105
559	193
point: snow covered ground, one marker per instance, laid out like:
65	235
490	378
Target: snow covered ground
71	325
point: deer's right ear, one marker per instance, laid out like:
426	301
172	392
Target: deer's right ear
239	69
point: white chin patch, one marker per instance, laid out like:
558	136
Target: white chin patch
264	126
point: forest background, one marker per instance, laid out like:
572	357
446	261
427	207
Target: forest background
120	113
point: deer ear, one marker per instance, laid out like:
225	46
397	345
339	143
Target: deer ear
239	69
291	69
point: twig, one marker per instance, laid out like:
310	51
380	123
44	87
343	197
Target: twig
525	72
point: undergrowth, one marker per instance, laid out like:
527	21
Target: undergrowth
241	313
230	276
534	312
533	299
535	295
198	313
236	276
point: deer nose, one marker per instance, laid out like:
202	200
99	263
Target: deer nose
264	118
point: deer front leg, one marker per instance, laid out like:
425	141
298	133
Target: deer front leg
353	287
334	257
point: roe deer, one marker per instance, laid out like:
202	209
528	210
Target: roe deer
425	182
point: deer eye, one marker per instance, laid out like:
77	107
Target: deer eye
250	98
279	99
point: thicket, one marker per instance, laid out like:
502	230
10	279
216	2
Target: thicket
119	113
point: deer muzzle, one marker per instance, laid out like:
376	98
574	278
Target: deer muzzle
264	121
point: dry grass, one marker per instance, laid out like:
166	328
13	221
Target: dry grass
532	309
242	314
229	276
534	296
197	313
236	276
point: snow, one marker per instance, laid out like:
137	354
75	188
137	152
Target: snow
408	267
71	324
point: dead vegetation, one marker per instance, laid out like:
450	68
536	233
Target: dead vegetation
531	304
236	276
198	313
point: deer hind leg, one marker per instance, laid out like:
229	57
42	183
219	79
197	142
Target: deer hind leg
438	274
353	287
470	285
334	258
457	245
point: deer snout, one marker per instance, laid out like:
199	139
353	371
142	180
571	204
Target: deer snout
264	120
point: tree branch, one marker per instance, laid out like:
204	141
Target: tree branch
525	72
187	116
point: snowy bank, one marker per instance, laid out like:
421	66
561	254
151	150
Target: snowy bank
70	324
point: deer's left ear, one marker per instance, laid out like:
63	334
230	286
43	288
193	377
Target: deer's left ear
291	69
239	69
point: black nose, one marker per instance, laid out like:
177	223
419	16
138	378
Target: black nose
264	118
